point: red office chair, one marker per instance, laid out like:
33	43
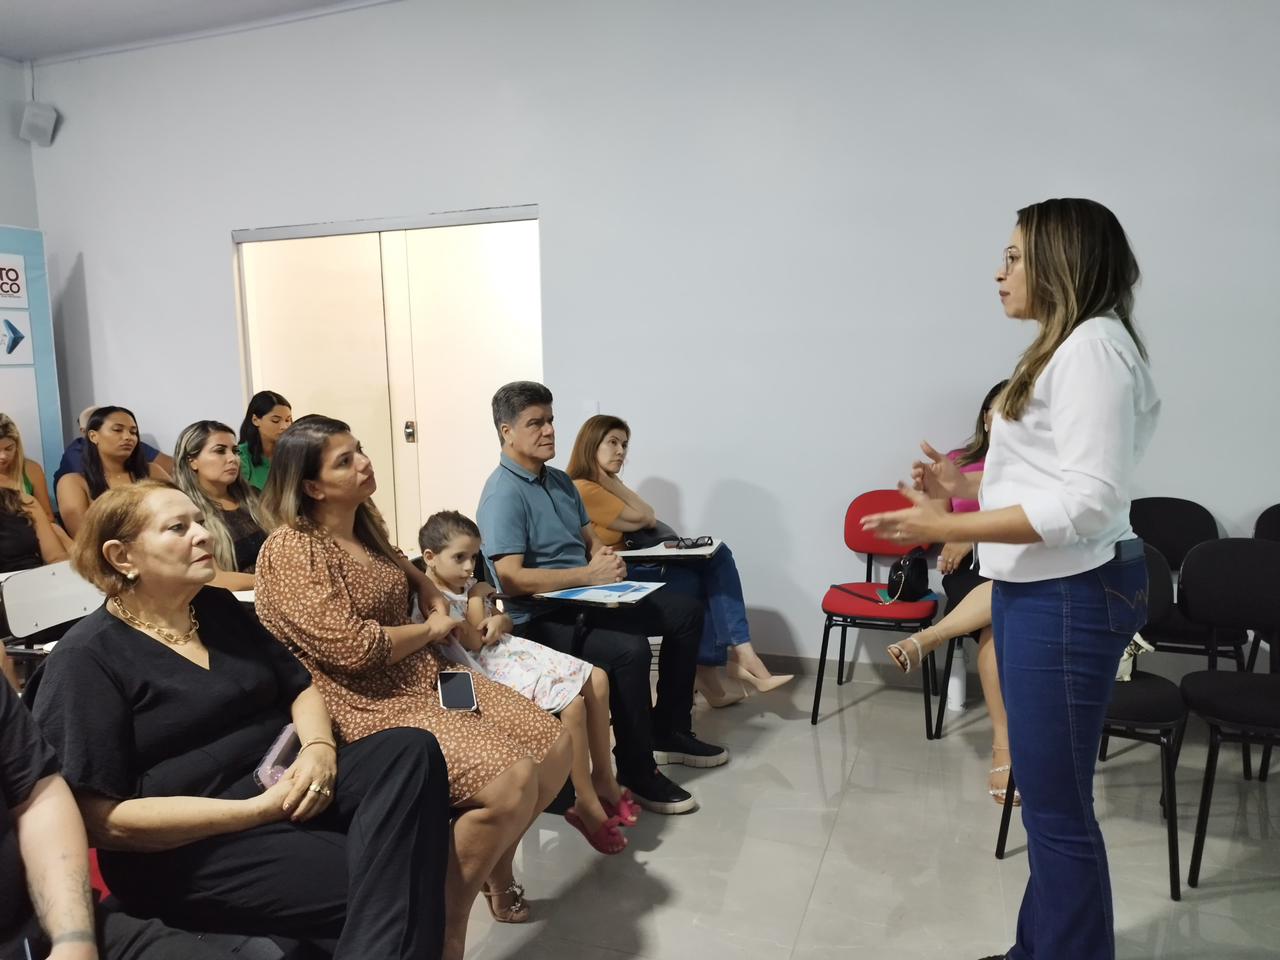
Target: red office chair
845	609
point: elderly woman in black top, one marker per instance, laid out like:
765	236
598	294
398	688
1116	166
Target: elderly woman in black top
161	704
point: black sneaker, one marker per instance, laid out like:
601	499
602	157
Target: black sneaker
655	792
687	749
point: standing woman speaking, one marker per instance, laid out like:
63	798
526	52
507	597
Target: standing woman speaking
1069	576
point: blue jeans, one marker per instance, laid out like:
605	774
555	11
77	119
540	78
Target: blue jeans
716	583
1058	643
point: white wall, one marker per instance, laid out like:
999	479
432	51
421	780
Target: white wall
17	181
788	215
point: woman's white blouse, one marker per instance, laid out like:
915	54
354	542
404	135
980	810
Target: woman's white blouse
1069	461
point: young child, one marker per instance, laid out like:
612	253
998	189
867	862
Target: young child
555	681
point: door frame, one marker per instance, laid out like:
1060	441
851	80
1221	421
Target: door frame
337	228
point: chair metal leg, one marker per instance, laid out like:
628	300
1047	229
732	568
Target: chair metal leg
1238	656
822	667
1265	765
844	633
1168	776
946	682
1246	758
1102	747
933	674
928	697
1253	651
1206	797
1005	813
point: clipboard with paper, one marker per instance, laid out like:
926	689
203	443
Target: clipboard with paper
604	595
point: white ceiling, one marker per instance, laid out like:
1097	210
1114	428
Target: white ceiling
34	30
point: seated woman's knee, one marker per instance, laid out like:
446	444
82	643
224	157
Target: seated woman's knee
514	791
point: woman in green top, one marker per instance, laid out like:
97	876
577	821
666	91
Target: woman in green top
17	471
268	416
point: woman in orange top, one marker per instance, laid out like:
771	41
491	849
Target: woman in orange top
615	509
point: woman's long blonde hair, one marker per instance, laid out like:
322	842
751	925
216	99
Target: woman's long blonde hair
1078	265
297	458
191	443
11	492
9	431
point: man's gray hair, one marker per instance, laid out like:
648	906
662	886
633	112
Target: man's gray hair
512	399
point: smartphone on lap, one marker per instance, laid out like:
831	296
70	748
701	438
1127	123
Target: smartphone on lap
457	691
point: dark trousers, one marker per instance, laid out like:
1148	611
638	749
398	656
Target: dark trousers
369	871
1058	643
617	641
120	937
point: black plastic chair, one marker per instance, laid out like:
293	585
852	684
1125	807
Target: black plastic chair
1146	708
1174	526
1150	709
1266	528
1232	583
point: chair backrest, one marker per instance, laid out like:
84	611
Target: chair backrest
45	597
1268	525
864	541
1159	585
1172	526
1232	583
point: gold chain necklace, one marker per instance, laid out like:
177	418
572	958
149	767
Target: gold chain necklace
168	636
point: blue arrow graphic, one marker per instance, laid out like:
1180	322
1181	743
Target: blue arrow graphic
13	337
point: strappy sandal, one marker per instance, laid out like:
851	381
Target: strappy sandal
998	793
898	652
517	912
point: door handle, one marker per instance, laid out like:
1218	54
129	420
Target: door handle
410	431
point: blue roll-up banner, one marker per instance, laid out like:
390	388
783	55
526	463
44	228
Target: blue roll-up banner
28	372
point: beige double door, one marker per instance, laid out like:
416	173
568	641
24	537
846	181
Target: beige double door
405	335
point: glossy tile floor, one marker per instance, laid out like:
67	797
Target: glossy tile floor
859	839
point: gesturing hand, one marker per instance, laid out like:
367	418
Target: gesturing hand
937	477
923	522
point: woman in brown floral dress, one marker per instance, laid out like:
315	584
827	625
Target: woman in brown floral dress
332	587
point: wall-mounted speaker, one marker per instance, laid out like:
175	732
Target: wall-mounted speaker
38	123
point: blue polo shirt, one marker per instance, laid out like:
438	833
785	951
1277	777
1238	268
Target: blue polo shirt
539	516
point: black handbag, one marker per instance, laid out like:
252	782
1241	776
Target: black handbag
909	577
653	536
908	580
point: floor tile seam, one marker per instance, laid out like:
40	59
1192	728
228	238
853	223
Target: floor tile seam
817	874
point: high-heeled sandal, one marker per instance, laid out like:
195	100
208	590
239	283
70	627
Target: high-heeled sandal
998	793
762	684
903	659
517	912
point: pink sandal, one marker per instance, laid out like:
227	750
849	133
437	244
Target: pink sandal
608	839
627	810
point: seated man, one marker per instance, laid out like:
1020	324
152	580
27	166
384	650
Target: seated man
537	537
42	841
73	457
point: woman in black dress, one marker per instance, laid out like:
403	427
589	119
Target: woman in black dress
161	704
27	538
206	466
